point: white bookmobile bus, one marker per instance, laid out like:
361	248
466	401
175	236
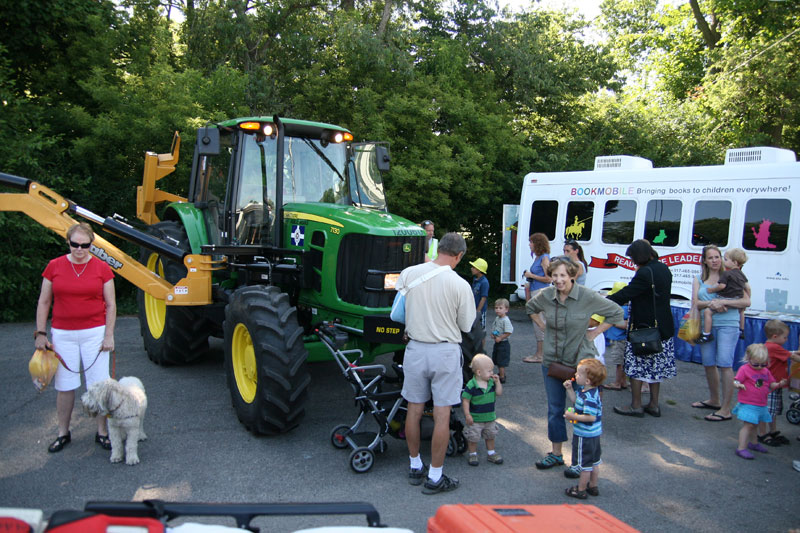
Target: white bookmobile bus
750	202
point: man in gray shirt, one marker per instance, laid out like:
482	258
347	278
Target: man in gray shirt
437	311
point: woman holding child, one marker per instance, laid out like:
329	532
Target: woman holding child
567	308
647	309
719	353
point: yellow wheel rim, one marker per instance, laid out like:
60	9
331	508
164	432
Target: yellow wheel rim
243	360
154	309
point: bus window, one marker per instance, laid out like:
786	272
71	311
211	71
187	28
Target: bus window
712	220
662	223
766	224
619	217
543	218
579	221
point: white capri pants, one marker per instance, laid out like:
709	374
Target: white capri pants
80	348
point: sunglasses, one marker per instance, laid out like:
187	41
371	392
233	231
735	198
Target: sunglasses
758	365
84	245
426	223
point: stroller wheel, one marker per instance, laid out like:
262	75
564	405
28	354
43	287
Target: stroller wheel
339	436
462	443
793	416
452	446
361	460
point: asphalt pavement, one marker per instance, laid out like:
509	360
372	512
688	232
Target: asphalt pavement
674	473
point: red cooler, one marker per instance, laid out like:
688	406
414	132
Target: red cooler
518	518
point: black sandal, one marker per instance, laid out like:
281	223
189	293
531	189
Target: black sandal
574	492
60	442
103	441
592	491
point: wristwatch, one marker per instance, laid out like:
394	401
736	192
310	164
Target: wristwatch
37	333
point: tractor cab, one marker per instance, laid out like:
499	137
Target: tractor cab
244	168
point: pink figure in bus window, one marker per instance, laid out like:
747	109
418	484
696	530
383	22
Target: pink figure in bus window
762	237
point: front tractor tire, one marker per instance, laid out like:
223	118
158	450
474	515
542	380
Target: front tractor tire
265	360
172	335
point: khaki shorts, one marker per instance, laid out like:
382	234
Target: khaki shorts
615	353
478	430
432	370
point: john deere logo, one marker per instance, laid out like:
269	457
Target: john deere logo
407	247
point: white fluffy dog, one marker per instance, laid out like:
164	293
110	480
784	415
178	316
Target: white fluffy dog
124	403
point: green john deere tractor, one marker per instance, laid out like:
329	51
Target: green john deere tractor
294	215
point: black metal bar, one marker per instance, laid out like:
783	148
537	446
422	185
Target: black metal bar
143	239
279	181
243	513
14	181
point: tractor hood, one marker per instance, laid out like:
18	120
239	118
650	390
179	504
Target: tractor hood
351	219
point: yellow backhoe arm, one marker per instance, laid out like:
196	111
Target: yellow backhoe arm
52	211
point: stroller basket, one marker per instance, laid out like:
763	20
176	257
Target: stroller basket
386	407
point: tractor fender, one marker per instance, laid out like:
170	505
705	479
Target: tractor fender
192	220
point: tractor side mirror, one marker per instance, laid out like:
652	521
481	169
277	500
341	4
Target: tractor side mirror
208	141
382	158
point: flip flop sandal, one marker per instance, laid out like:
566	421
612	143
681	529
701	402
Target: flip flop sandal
705	405
714	417
612	387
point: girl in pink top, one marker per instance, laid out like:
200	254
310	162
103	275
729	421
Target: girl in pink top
754	381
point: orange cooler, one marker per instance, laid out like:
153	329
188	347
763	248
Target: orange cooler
477	518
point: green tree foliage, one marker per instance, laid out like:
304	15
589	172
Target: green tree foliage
469	99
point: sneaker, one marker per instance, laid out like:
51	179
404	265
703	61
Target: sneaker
495	458
705	337
756	447
550	460
417	475
573	472
445	484
472	460
744	454
796	465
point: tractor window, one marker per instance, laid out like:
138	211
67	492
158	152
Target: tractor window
314	173
256	183
662	223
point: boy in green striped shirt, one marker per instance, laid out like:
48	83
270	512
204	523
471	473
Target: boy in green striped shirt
477	401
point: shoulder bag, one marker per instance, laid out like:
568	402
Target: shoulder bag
398	313
646	341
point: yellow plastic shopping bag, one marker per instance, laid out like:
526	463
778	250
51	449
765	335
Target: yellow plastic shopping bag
690	326
43	366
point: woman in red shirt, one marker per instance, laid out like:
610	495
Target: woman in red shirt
81	290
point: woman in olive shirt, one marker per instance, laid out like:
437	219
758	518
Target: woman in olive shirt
567	308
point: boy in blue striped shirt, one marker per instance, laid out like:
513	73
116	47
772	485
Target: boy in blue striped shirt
587	417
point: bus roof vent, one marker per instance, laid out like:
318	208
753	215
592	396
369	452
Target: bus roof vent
758	154
621	162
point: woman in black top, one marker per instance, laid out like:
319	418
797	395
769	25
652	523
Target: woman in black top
650	369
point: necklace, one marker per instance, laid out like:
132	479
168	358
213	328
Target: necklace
78	274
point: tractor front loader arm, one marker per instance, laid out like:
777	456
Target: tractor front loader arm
53	212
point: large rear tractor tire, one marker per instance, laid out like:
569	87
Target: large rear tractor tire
265	360
172	335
